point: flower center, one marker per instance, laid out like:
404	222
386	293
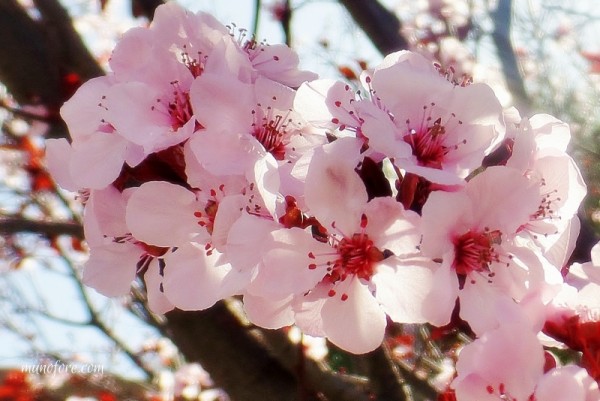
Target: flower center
474	251
547	206
206	218
428	139
428	144
194	65
356	255
180	108
247	43
271	131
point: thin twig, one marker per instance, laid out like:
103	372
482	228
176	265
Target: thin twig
97	322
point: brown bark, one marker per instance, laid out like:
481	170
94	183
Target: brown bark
381	25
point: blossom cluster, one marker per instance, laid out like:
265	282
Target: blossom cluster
211	166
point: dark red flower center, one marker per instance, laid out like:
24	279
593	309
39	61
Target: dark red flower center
474	251
428	144
356	255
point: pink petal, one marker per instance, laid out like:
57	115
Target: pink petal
439	227
111	268
268	313
391	227
402	287
280	63
229	211
266	176
550	132
286	267
162	214
307	310
519	199
225	152
334	192
440	302
97	162
58	153
157	301
222	102
324	101
246	241
356	324
567	383
106	208
192	279
81	112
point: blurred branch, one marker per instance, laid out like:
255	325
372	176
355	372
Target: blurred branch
418	384
13	225
73	52
28	66
145	7
34	54
256	17
334	386
286	21
381	25
506	53
237	362
385	376
96	321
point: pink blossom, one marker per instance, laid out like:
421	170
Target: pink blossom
481	257
505	363
116	257
96	154
412	115
540	152
449	127
365	266
567	383
195	36
194	273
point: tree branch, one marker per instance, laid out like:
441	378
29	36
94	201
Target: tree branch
334	386
13	225
380	25
237	362
385	376
73	52
145	7
506	54
97	322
